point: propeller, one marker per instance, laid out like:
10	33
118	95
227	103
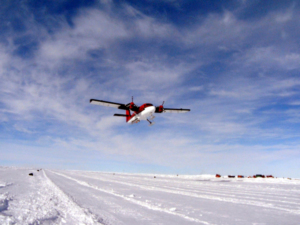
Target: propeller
161	107
131	105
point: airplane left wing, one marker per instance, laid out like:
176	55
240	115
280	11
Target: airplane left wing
109	104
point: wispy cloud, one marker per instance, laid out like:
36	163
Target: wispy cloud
239	76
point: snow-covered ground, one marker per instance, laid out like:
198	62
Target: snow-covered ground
80	197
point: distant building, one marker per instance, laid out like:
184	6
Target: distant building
259	175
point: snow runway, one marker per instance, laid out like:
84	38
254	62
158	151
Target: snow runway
80	197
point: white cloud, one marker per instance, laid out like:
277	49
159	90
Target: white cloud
294	103
143	75
217	29
93	29
270	58
196	88
285	16
4	58
149	27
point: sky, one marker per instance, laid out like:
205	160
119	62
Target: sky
234	63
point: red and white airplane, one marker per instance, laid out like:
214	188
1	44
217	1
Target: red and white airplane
135	114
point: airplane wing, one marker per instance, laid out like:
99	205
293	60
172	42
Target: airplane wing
169	110
122	115
110	104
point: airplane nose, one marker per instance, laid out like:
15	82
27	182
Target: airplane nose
152	108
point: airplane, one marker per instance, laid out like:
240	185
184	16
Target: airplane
143	112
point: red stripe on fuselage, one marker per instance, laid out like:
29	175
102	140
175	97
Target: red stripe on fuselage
142	107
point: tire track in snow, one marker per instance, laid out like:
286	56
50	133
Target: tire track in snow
216	183
228	188
210	192
252	194
232	200
68	207
137	202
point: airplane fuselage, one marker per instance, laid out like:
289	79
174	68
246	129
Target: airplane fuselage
145	114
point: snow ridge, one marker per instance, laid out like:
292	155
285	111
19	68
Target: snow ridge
4	199
68	208
37	200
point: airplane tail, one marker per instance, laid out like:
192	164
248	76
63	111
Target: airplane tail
128	115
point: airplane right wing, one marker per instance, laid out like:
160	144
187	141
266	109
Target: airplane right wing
169	110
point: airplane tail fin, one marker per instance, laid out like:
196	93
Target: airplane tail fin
128	115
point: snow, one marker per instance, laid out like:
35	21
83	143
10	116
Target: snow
86	197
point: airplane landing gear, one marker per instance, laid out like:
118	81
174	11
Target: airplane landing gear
150	123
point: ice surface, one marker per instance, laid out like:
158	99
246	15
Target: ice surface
80	197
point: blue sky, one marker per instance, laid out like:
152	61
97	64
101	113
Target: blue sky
235	64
